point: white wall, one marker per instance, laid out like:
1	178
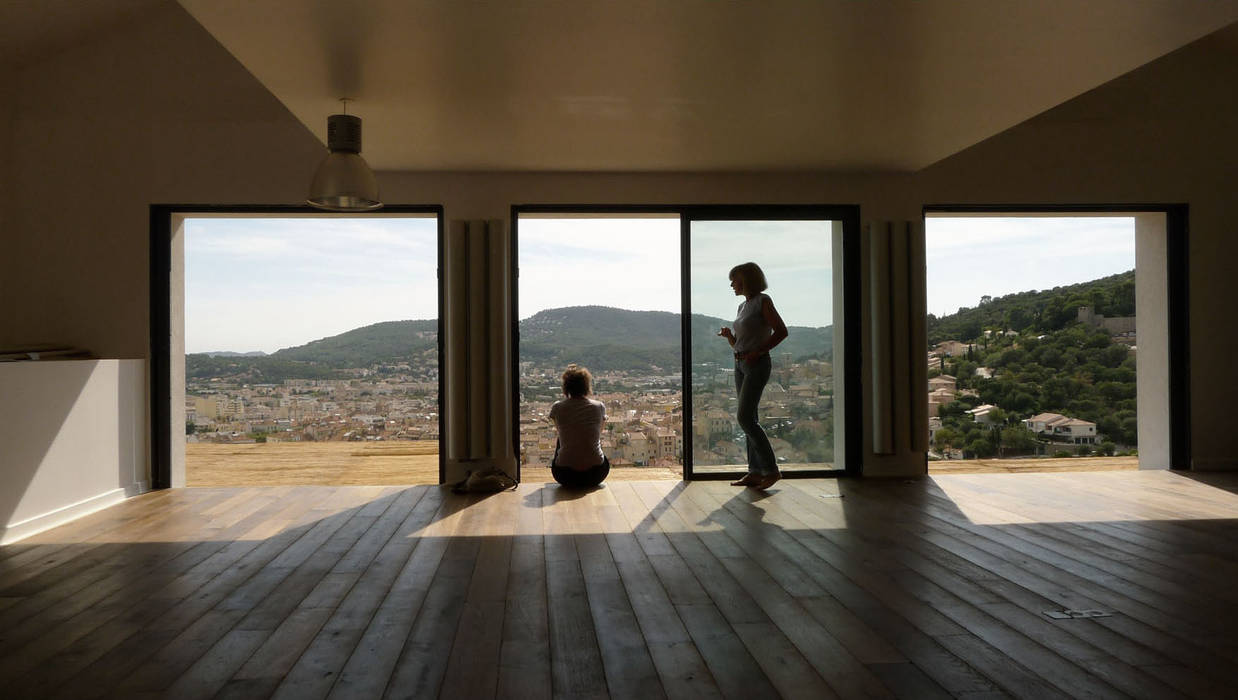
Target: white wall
74	437
1152	341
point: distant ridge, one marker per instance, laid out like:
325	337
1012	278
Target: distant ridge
1041	311
602	338
227	353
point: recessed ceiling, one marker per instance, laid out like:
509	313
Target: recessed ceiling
652	85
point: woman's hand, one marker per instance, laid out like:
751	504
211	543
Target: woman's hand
726	333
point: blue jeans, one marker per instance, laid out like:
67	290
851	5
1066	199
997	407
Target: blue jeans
750	381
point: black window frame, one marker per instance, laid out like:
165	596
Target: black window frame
1177	279
161	215
847	214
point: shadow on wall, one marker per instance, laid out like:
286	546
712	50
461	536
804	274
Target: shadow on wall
72	435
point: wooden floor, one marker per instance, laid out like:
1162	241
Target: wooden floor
926	588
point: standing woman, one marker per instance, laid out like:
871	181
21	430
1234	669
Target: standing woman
758	329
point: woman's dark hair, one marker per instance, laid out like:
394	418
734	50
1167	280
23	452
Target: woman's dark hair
750	273
577	381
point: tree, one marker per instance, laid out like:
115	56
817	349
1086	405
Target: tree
1017	441
946	439
980	448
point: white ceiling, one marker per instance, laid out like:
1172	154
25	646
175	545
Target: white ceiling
648	85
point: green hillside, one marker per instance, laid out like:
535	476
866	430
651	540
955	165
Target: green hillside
382	343
600	337
1038	311
605	338
1051	364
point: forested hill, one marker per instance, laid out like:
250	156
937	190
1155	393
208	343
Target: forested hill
605	338
599	337
1041	312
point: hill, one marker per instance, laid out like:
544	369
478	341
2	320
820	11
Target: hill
600	337
606	338
1039	311
1051	364
389	342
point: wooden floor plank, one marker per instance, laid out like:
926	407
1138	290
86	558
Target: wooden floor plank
367	671
815	588
629	669
524	654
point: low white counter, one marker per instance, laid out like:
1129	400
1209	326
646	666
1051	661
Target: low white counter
72	440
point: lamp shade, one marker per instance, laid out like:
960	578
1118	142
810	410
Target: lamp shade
344	182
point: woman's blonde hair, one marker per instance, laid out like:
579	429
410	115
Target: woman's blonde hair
577	381
753	278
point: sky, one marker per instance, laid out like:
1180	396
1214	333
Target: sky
265	284
969	257
269	283
635	264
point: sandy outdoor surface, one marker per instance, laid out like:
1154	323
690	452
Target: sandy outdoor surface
1026	466
342	464
387	464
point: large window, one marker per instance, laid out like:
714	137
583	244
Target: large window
639	296
602	292
1049	340
303	347
799	259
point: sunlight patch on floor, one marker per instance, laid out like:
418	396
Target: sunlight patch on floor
995	499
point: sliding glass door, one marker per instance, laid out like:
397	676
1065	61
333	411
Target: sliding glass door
801	253
658	418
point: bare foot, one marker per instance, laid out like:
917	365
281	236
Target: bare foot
767	481
748	480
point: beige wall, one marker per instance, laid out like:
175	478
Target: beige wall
1167	132
7	111
155	113
160	113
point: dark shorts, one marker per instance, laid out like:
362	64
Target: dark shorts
581	478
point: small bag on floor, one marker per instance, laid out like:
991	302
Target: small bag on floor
486	481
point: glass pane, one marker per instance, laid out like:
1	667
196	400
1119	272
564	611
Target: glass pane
1031	332
796	410
603	293
311	350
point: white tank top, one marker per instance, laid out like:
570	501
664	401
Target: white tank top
751	330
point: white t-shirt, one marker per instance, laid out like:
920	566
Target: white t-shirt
579	421
751	330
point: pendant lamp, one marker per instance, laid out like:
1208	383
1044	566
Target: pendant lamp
344	182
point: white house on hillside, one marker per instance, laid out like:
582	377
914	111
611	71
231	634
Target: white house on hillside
1059	427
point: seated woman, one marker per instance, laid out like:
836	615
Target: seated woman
579	461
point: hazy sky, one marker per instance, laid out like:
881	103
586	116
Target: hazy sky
970	257
635	264
265	284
